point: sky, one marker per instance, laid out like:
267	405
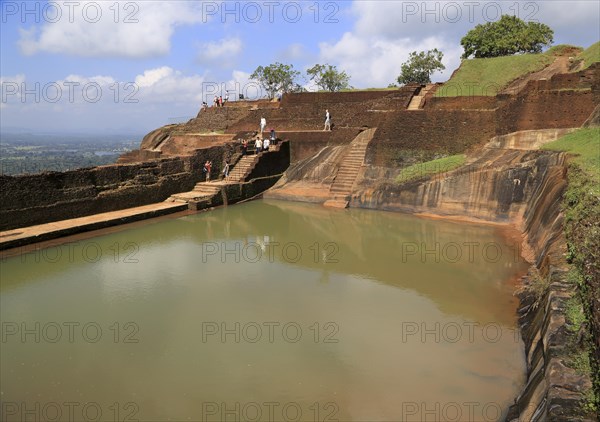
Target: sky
131	66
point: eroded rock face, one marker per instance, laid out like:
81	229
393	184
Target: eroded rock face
496	185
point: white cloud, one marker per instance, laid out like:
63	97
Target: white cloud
140	29
83	80
156	95
375	62
10	89
153	76
166	85
224	50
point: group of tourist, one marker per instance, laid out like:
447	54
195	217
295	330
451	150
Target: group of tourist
261	145
220	101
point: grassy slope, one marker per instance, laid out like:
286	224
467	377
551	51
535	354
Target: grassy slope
591	55
585	144
429	168
489	76
581	206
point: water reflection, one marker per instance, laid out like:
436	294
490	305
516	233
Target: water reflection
355	314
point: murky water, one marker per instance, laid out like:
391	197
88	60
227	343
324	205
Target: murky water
265	311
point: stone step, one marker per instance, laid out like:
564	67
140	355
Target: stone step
345	174
336	203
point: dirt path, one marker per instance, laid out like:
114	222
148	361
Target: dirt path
559	65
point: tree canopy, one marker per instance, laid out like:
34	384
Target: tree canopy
420	66
505	37
276	77
327	77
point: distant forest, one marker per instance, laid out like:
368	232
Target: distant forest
23	153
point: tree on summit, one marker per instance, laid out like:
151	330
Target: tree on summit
327	77
276	78
420	66
507	36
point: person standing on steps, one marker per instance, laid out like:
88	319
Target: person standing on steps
226	170
244	147
263	125
327	121
208	167
265	145
258	145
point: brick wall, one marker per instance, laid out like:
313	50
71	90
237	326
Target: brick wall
475	102
331	97
42	198
428	133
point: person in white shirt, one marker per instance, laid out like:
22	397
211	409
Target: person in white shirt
263	125
327	121
258	145
266	144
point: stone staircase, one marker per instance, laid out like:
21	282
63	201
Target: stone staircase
242	168
415	102
201	191
204	191
348	171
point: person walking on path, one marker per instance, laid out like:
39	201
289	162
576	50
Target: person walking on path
263	125
258	145
327	121
265	145
244	147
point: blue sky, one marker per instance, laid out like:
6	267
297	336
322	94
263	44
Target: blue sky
131	66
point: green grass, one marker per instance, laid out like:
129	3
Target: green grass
429	168
563	49
590	55
581	207
489	76
585	145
